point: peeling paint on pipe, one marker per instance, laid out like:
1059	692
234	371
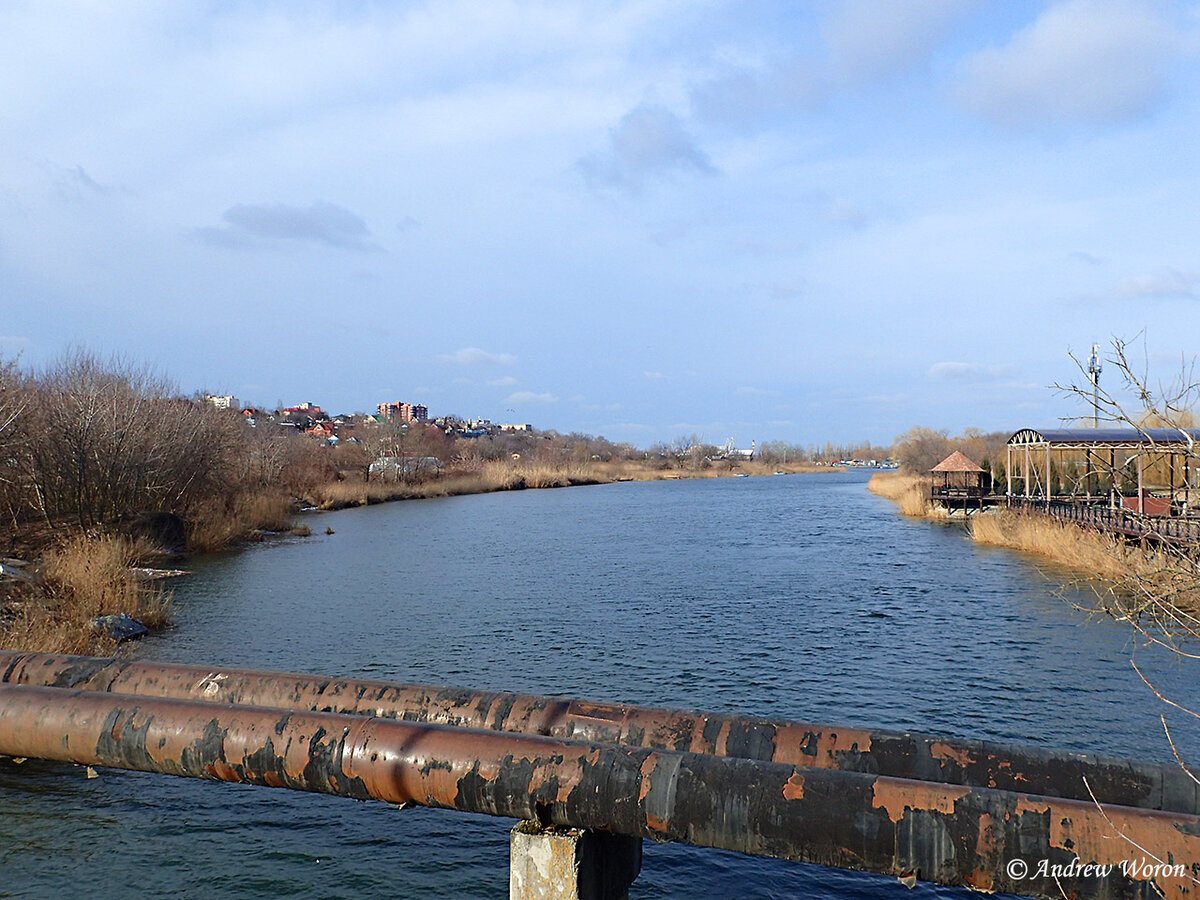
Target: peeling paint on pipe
947	834
971	763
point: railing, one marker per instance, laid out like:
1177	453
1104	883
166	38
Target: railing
991	817
1168	529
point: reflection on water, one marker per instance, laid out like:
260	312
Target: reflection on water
800	596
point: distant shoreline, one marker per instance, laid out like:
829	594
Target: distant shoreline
496	476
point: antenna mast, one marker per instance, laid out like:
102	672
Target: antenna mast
1094	377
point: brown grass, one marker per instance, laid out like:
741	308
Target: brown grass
1081	549
506	475
1149	582
489	477
1154	588
215	525
909	492
85	577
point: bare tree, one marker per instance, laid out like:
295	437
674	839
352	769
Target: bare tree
920	449
110	439
1160	594
15	396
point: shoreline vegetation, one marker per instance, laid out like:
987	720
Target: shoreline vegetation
1123	570
107	469
504	475
89	575
1065	544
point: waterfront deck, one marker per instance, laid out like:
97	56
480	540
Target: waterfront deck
1137	483
1175	530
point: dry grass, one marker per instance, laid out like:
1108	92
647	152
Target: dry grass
1064	543
909	492
85	577
505	475
217	524
1156	589
487	478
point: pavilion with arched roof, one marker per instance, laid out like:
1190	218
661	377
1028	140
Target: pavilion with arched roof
1147	471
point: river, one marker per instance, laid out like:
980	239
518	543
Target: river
799	596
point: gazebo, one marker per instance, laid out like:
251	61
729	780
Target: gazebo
961	482
1151	471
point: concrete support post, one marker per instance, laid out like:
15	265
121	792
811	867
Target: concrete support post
571	864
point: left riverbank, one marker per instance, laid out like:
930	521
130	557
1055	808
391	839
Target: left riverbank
514	475
74	577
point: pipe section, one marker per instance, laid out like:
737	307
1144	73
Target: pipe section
1022	769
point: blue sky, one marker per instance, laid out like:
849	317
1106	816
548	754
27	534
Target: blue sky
796	221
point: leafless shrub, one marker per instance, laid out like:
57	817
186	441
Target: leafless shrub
1158	594
111	440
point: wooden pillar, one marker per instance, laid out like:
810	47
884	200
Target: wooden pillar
1008	475
1028	469
1171	470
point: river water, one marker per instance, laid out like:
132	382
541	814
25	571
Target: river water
802	597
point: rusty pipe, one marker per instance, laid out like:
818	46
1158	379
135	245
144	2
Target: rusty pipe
972	763
941	833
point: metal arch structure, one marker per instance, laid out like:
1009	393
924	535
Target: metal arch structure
1132	439
1172	453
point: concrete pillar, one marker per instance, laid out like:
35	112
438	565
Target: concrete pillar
571	864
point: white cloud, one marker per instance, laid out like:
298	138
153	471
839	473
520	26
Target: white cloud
654	374
473	356
1081	61
747	95
530	397
506	381
748	391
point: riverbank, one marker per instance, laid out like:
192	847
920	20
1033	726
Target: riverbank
505	475
1062	543
909	492
1149	582
1131	580
54	605
75	578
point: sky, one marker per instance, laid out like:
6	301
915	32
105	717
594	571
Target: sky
798	221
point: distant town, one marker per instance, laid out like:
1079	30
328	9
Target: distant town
311	419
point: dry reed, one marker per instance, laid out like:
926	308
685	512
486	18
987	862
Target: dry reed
506	475
1064	543
909	492
218	524
1153	587
85	577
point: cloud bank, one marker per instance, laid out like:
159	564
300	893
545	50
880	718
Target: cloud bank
1081	62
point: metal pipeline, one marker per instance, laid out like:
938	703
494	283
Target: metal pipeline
970	763
941	833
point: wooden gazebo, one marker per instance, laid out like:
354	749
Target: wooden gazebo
960	485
